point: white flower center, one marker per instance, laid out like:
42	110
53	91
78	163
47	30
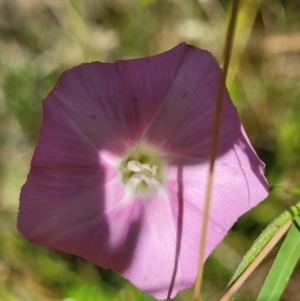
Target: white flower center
142	172
142	169
139	167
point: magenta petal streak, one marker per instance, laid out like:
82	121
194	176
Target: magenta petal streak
141	215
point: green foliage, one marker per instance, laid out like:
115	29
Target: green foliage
283	265
264	238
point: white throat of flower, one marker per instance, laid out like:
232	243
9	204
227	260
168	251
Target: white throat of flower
142	170
139	167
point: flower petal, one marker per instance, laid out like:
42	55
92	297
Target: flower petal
91	97
236	189
133	239
148	81
184	122
111	104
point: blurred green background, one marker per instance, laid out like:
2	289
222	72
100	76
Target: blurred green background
40	39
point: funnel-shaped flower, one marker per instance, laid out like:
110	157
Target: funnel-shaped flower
119	173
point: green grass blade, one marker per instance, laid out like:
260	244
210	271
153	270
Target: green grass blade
283	265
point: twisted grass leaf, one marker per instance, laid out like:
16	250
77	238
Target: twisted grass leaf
253	265
283	265
263	238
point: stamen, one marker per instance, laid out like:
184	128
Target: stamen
134	165
137	166
142	170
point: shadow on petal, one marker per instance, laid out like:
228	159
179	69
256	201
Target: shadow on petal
178	230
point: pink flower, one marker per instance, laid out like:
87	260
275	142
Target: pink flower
119	173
